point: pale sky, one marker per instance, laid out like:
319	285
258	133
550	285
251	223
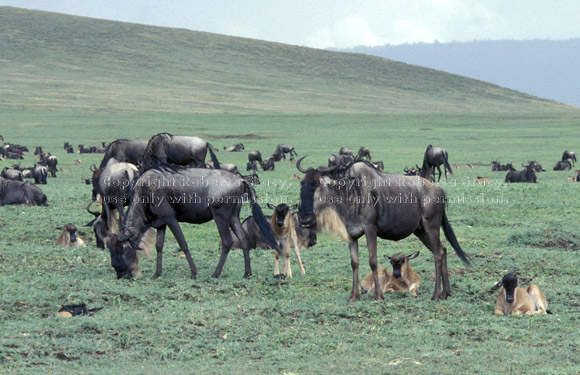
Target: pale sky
340	23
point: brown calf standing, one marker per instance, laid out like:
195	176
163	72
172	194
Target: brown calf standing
283	225
68	236
514	300
403	278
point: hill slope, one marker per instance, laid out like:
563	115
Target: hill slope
546	68
67	63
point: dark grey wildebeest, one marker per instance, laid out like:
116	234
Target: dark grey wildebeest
525	175
124	151
12	174
39	172
364	153
433	158
563	165
569	155
364	201
18	192
165	196
165	148
282	150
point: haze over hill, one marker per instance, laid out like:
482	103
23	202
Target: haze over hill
546	68
67	63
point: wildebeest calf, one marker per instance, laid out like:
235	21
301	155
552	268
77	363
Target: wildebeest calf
68	236
403	278
514	300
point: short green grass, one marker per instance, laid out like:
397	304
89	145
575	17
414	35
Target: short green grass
302	325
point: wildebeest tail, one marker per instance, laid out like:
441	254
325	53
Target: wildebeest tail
453	240
447	166
216	163
260	219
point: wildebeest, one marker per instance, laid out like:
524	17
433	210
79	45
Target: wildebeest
99	225
68	236
514	300
254	156
363	153
282	150
114	186
534	164
251	167
345	151
498	167
525	175
268	164
379	165
433	158
18	192
252	179
39	172
12	174
563	165
165	148
413	171
578	177
164	196
50	161
569	155
235	148
403	278
364	201
340	161
124	150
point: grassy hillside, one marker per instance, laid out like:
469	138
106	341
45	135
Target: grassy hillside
66	63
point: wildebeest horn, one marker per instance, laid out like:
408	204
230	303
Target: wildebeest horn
298	164
93	168
96	213
524	165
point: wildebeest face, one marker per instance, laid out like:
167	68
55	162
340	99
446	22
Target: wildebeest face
398	261
280	212
123	258
308	186
510	283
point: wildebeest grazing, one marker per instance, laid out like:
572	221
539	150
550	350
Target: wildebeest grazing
268	164
526	175
164	196
563	165
364	201
254	156
403	278
282	150
515	300
364	153
165	148
252	167
433	158
18	192
68	236
569	155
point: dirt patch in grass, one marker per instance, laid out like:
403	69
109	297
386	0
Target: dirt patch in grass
548	238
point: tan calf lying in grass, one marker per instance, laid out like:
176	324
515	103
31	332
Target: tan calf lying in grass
403	278
68	237
514	300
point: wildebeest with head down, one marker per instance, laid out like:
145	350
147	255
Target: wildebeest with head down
165	148
193	195
124	150
364	201
282	150
563	165
17	192
363	153
433	158
525	175
569	155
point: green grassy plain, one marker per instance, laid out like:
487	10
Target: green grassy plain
302	325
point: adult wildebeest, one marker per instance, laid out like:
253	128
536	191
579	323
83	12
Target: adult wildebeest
282	150
413	171
563	165
124	150
51	163
68	236
268	164
534	164
254	156
498	167
340	161
252	167
526	175
379	165
99	225
364	201
363	153
235	148
17	192
39	172
114	185
433	158
165	196
12	174
569	155
69	148
165	148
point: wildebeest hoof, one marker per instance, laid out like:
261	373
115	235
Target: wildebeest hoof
280	276
247	275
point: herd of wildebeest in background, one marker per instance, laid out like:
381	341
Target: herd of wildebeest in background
143	185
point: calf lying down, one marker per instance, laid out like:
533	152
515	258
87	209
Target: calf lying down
403	278
514	300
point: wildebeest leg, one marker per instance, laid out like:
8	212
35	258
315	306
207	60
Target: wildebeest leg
227	241
439	170
297	252
119	207
445	274
371	235
241	234
178	234
107	210
276	263
286	269
355	294
430	238
159	247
